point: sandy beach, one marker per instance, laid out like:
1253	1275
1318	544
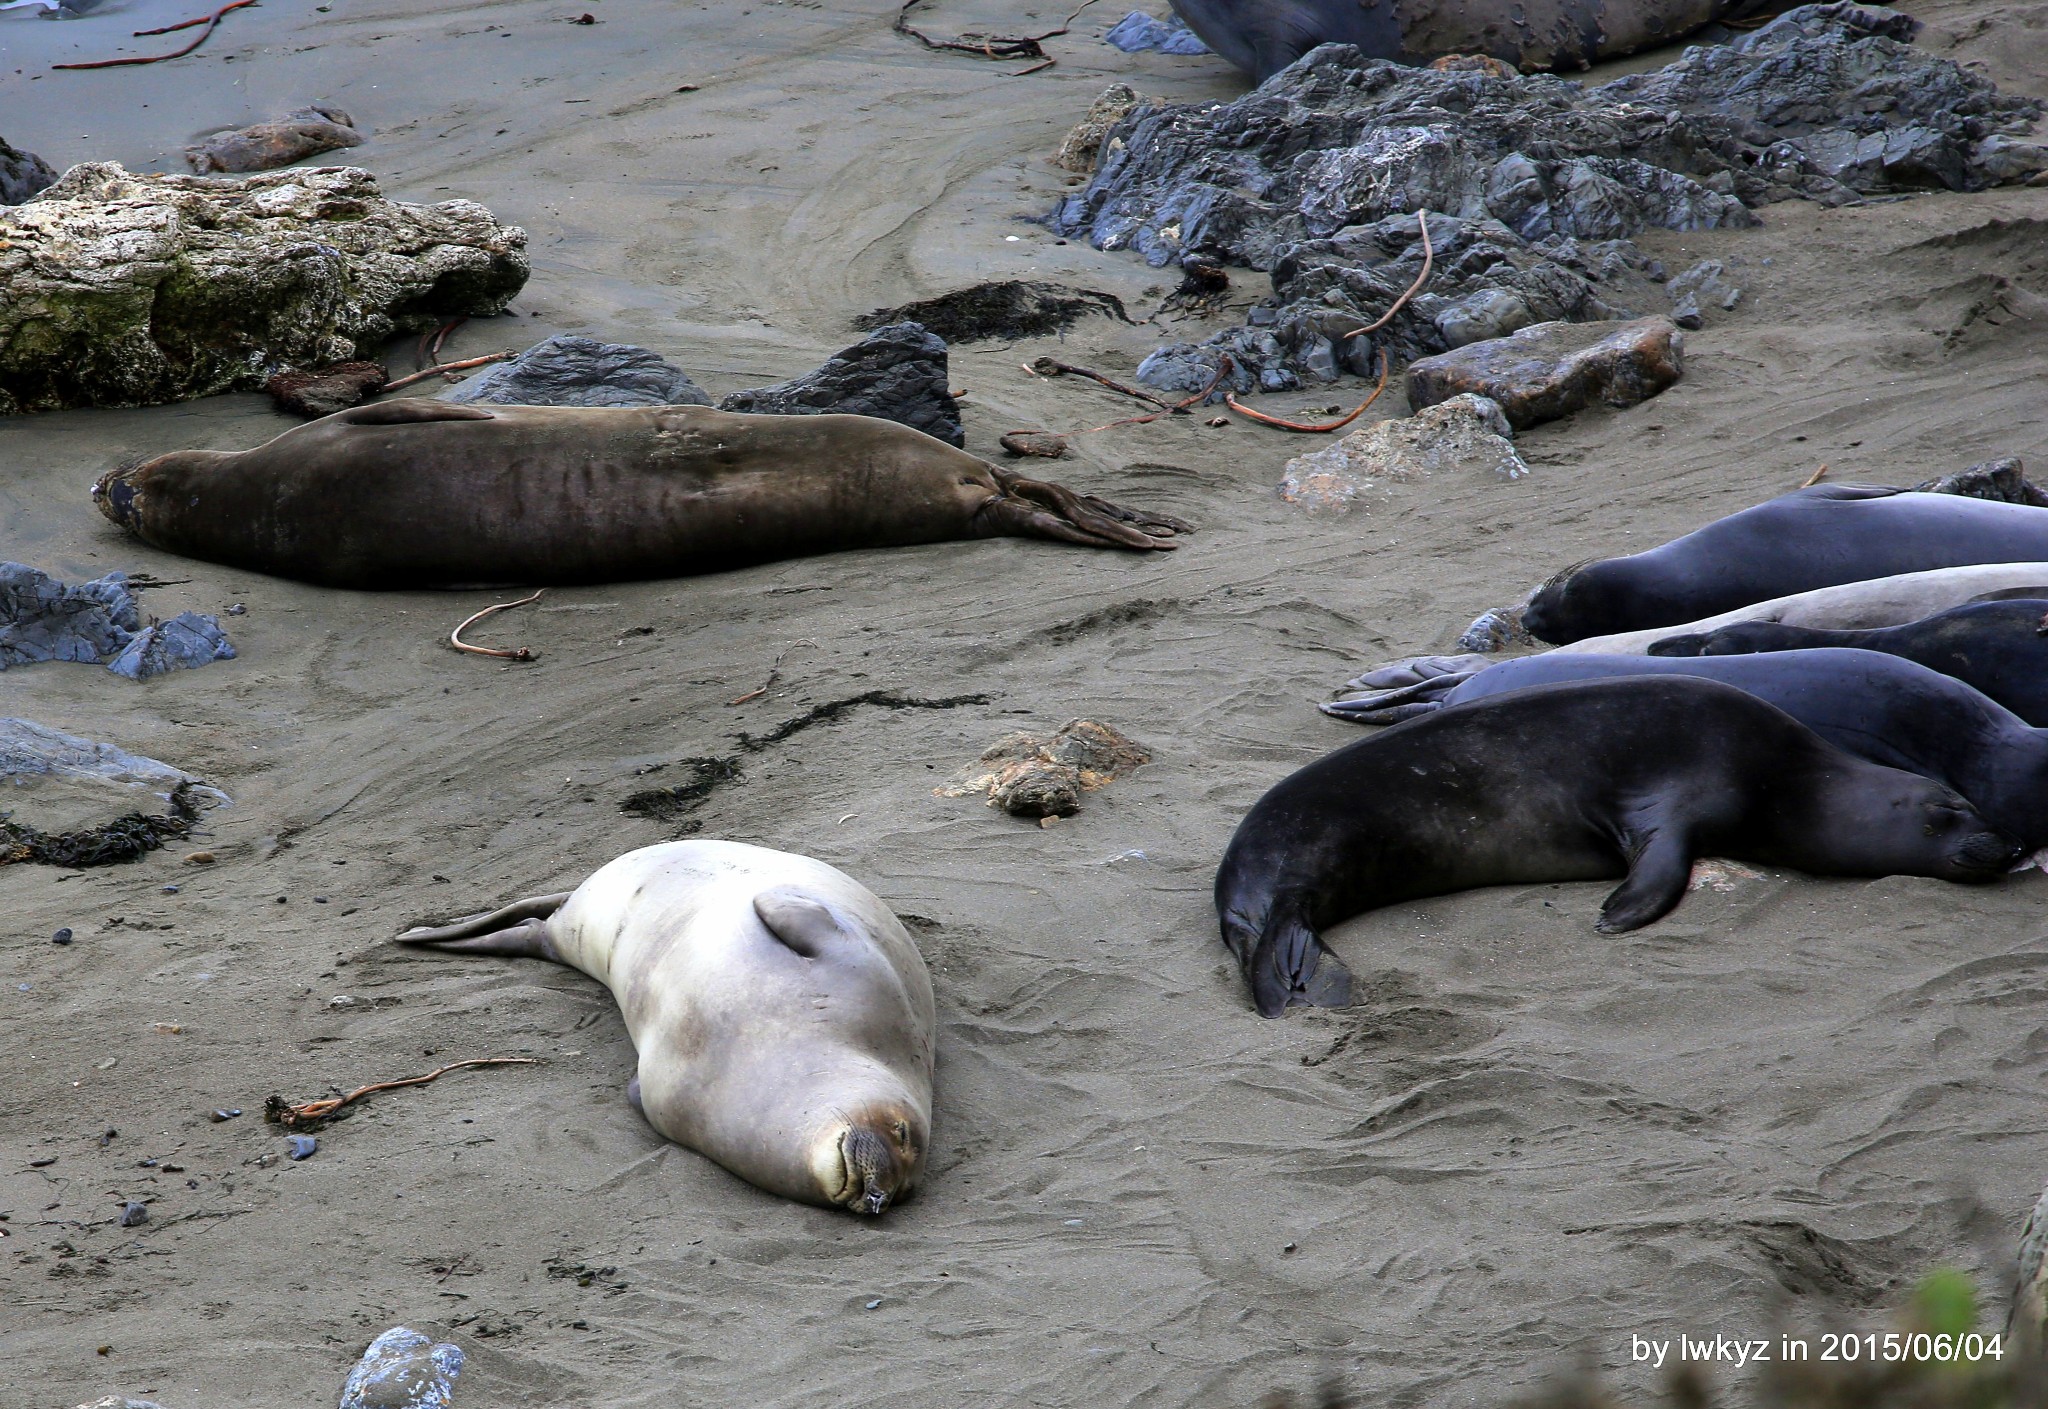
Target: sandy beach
1529	1143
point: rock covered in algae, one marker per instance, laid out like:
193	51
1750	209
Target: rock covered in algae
403	1369
124	289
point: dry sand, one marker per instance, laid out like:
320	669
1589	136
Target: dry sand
1527	1143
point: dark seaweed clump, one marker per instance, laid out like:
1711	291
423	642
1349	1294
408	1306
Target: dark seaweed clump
679	800
123	839
1008	308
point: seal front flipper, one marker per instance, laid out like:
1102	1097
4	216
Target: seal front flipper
801	923
519	929
1656	883
413	411
1292	965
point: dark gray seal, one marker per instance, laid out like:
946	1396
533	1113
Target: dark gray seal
1261	37
422	493
1819	537
1626	777
1998	648
1879	707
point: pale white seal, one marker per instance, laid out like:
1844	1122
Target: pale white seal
782	1014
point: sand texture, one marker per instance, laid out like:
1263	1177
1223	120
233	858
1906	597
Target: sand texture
1527	1142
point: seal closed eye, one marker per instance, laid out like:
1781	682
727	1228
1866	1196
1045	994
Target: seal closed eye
783	1016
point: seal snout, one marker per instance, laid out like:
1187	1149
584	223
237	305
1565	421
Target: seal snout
879	1159
1983	856
113	493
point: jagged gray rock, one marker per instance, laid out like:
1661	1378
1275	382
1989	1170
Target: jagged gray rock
1534	184
574	371
121	289
42	619
22	174
897	373
403	1369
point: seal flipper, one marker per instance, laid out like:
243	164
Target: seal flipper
1656	882
519	929
1292	966
801	923
413	411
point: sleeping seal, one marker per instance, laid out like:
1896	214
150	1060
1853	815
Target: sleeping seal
782	1015
1631	777
422	493
1878	707
1819	537
1999	648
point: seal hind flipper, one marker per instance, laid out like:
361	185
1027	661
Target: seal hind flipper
1035	508
519	929
413	411
1656	882
1293	966
801	923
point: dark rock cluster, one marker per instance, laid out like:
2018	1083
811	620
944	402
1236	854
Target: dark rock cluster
1534	185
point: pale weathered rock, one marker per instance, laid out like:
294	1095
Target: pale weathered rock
265	146
896	373
119	289
1466	433
572	371
403	1369
1554	369
1082	148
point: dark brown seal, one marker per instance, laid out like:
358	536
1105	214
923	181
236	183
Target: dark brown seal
422	493
1627	777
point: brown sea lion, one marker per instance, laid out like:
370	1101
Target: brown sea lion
783	1016
421	493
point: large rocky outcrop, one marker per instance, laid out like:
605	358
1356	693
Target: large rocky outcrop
1534	184
119	289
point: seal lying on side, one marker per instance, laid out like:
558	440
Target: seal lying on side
1999	648
1878	707
1854	606
1261	37
1819	537
421	493
783	1017
1567	783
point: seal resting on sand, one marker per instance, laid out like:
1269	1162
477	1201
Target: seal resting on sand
1631	777
421	493
1819	537
783	1016
1878	707
1261	37
1999	648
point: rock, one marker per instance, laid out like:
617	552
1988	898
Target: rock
1554	369
1048	445
1535	185
186	641
1495	629
121	1401
82	797
42	619
1138	32
2004	481
573	371
31	753
298	1147
136	290
1463	433
897	372
22	174
1034	777
265	146
134	1214
326	390
1702	281
1008	308
1082	148
403	1369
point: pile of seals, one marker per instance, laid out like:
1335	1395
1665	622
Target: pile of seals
1846	680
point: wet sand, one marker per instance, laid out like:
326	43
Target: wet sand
1526	1144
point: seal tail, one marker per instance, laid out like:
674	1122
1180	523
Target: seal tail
1292	966
519	929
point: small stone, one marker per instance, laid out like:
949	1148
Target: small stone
223	1113
134	1214
1049	445
62	936
44	1163
1554	369
341	1000
199	858
875	1303
301	1146
168	890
